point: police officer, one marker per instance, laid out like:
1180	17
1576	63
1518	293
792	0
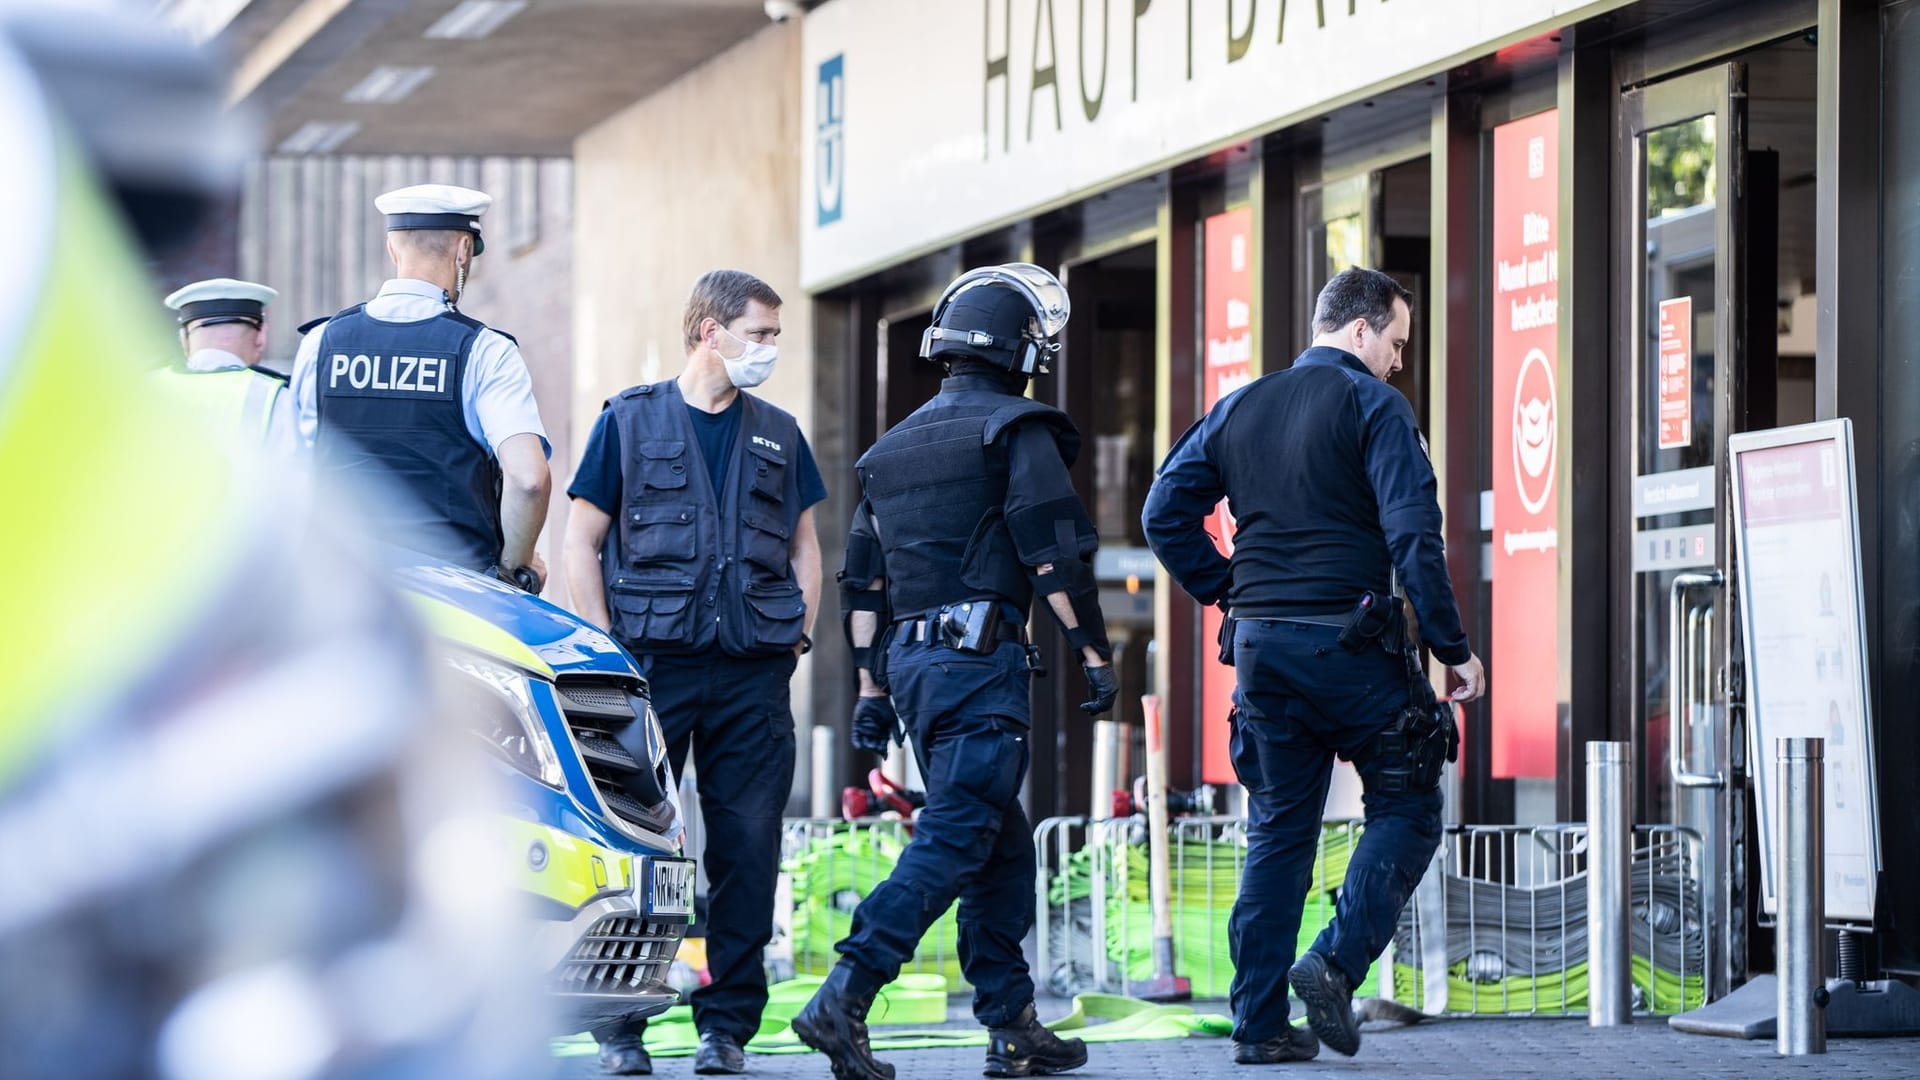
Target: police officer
1333	497
692	541
223	332
432	400
968	513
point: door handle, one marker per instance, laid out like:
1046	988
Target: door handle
1682	689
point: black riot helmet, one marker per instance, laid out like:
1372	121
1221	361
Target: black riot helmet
1006	315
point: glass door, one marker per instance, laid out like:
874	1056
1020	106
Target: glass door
1683	154
1379	218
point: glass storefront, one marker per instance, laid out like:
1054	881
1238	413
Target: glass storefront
1711	299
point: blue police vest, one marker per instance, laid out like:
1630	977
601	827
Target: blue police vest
689	568
390	403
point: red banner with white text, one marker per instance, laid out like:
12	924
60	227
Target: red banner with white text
1228	323
1526	440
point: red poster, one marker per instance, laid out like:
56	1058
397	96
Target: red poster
1526	439
1229	328
1676	372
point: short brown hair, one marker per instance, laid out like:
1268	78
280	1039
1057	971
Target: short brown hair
1358	293
722	295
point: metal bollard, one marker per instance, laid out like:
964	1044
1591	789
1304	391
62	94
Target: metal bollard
820	780
1106	757
1799	826
1609	878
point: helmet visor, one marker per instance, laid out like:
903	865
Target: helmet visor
1049	297
1042	290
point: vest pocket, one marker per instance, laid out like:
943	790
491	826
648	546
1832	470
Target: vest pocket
658	533
663	463
779	614
652	611
765	543
769	480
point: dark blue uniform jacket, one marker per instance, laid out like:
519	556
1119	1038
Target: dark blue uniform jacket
1330	489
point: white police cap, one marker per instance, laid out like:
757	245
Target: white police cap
436	206
221	300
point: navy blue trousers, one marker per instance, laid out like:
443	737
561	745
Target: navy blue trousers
1301	699
736	717
968	717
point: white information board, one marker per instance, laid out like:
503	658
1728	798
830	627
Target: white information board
1796	521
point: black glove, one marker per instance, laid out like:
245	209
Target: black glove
1103	686
524	578
875	724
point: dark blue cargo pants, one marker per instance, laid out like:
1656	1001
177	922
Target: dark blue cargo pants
736	716
1301	699
968	717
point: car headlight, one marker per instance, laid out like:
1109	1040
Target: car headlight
506	720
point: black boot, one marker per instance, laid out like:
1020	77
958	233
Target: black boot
1296	1044
719	1055
835	1023
1026	1048
1329	1002
623	1055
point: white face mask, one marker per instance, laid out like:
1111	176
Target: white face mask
753	366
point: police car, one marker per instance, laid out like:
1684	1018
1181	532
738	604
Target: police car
594	829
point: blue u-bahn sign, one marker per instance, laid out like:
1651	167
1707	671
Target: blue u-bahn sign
830	139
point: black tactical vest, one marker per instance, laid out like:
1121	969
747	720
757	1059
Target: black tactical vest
688	568
1307	536
390	402
937	485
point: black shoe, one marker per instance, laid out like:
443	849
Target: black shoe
1329	1002
1298	1044
1026	1048
835	1023
719	1055
623	1055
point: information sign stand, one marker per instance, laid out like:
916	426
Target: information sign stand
1797	559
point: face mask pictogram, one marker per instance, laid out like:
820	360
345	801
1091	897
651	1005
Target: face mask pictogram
1534	431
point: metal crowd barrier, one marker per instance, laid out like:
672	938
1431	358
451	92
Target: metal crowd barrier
1503	931
1086	936
1498	927
850	857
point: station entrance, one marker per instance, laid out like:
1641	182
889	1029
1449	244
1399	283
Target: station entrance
1714	309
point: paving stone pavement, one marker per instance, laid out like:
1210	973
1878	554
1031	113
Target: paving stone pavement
1562	1049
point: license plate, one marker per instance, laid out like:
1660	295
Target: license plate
669	886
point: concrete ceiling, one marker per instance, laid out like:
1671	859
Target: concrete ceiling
551	71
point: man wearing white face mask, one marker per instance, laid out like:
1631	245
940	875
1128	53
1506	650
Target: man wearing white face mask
711	580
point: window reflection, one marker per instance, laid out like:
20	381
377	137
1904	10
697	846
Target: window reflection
1681	257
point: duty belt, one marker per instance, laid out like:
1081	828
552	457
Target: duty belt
1315	620
914	631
